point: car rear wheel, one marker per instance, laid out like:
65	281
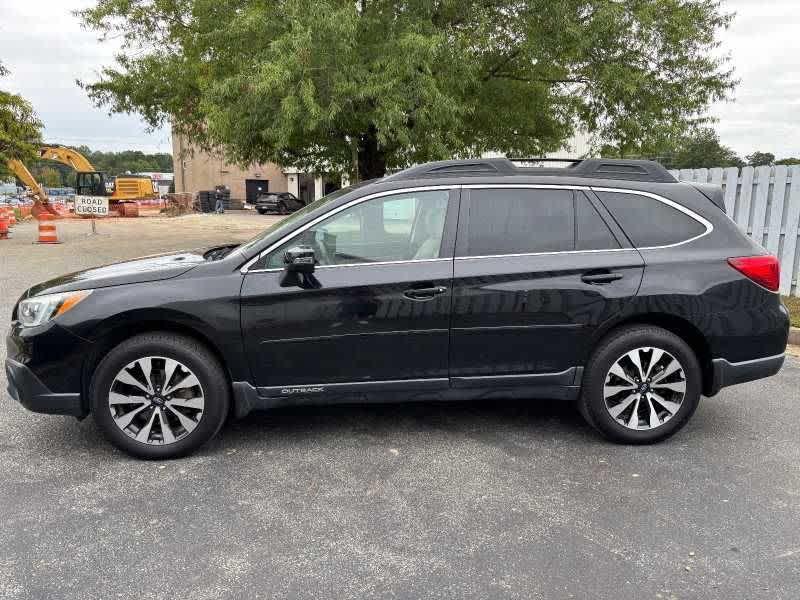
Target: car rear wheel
159	395
641	385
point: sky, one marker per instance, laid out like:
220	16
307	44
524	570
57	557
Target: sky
45	48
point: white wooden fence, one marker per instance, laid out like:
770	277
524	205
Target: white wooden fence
765	203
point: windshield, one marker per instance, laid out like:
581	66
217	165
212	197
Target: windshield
287	224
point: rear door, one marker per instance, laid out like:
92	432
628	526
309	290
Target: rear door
537	270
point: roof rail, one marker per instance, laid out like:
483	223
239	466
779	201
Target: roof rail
599	168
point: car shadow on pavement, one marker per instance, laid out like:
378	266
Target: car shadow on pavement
477	419
517	426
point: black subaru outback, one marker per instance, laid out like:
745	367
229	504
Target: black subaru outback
606	283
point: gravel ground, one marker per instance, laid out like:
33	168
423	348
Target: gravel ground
461	500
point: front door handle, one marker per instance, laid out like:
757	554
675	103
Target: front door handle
425	293
597	278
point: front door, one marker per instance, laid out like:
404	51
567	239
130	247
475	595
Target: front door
537	270
375	313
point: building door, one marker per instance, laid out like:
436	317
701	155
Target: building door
254	188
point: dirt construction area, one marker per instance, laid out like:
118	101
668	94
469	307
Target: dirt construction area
487	499
117	239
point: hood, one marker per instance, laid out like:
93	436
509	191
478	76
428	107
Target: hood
139	270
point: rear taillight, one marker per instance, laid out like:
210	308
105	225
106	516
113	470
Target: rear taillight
765	270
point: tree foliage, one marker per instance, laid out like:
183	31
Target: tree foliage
788	161
20	128
127	161
760	159
697	148
48	177
384	83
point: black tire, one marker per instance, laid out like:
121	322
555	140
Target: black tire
199	360
592	404
261	211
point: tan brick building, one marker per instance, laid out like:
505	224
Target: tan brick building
196	170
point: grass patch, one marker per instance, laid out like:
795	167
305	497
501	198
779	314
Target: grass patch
793	304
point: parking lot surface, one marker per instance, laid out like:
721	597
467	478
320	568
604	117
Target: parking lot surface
460	500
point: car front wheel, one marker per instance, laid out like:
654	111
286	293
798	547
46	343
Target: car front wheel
159	395
641	385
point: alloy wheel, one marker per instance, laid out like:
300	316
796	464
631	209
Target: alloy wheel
156	400
644	388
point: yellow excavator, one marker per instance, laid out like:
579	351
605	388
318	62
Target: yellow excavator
91	182
88	181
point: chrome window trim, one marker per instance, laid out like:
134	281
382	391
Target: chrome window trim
474	186
541	186
545	253
427	188
364	264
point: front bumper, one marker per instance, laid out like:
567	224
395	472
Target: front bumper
27	389
44	368
728	373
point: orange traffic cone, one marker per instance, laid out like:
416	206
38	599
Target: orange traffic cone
3	224
47	230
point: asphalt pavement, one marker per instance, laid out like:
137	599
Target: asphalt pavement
489	499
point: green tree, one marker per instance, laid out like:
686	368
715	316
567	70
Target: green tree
697	148
702	149
760	159
20	128
788	161
49	177
377	84
112	163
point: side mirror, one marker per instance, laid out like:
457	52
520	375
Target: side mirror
300	259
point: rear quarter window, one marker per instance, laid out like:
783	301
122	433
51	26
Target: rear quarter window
649	222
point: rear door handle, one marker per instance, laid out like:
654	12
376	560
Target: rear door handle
425	293
600	278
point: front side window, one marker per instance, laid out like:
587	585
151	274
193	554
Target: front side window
405	226
519	221
650	222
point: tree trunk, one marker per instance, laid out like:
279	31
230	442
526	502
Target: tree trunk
371	159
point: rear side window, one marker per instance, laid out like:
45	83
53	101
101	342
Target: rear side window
519	221
649	222
591	231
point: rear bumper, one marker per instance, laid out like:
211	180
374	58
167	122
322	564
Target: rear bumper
27	389
728	373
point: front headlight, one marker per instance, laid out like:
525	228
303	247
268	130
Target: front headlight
40	309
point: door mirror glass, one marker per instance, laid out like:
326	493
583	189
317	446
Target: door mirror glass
300	259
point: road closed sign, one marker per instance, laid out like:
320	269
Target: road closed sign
96	206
